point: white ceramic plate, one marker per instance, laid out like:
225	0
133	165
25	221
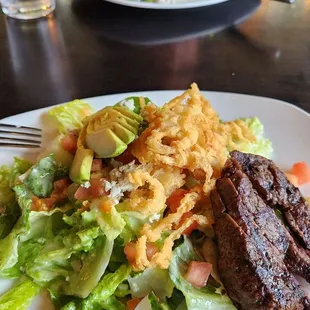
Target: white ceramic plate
287	126
181	4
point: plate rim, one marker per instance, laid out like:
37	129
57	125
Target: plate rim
131	93
162	6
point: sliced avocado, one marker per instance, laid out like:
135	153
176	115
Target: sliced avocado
124	134
81	166
105	143
134	104
122	121
113	112
109	114
129	113
108	131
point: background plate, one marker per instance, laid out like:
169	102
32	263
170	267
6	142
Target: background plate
182	4
286	126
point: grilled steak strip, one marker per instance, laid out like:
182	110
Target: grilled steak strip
296	258
273	186
253	246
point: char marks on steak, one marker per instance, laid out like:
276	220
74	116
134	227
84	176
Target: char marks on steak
257	252
273	186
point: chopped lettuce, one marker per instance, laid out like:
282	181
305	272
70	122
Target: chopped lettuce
41	176
111	303
70	306
122	290
134	223
70	260
111	223
6	193
106	287
207	298
9	245
94	264
151	279
9	209
151	302
262	146
69	116
20	296
66	259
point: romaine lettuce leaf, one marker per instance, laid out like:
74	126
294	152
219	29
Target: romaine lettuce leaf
134	223
69	116
106	287
111	303
6	193
151	279
9	245
122	290
20	296
151	302
70	306
9	209
41	177
94	264
262	146
9	214
20	166
206	298
111	223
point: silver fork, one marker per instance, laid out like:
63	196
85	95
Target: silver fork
14	136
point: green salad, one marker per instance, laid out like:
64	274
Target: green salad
97	225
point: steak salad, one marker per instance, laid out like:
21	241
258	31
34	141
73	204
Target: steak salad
143	207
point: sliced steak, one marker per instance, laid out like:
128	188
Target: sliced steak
254	246
273	186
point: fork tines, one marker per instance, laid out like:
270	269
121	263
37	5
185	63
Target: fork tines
19	136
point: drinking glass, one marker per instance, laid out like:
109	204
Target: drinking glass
27	9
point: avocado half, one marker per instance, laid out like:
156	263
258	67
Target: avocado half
109	131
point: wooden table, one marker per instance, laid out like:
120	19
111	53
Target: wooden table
90	48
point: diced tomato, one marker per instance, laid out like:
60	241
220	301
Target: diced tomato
132	303
43	204
82	193
96	165
61	189
36	204
61	184
126	157
302	171
96	188
198	273
173	202
130	252
69	142
192	227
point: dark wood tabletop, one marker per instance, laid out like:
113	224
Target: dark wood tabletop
91	47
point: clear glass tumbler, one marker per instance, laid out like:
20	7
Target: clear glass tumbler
27	9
